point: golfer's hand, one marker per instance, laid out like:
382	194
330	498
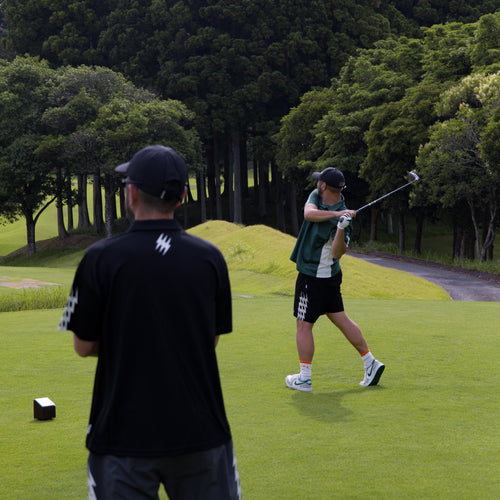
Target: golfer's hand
344	221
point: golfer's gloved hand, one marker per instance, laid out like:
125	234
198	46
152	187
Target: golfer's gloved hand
344	221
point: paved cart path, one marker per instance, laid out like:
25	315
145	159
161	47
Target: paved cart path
460	284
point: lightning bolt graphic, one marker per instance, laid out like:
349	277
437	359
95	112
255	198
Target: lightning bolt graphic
163	244
69	310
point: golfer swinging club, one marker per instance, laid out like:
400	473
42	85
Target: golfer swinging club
323	239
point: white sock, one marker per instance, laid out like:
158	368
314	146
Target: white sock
305	370
367	358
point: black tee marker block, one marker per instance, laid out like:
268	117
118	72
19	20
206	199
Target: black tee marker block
44	409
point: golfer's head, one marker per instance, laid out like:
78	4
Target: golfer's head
332	177
158	171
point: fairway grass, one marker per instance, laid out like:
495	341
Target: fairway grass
429	430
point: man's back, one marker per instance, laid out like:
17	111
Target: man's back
161	297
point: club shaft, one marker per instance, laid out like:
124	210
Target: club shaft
386	195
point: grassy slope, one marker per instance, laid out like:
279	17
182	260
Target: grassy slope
258	261
257	252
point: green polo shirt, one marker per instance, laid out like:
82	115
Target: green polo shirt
312	251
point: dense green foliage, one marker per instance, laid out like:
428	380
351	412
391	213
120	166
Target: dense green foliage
372	75
429	102
77	122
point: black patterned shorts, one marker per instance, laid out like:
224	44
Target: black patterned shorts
317	296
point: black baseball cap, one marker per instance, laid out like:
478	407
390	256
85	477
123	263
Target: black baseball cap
152	167
332	176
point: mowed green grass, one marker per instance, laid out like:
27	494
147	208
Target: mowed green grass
427	431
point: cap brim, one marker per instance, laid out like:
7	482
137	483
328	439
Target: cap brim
123	168
316	175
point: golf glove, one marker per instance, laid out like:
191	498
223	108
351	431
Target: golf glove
344	221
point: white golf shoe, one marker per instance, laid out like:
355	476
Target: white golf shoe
295	382
373	373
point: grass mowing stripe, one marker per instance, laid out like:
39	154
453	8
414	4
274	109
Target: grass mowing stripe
427	431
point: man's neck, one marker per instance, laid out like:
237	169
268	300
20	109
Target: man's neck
151	215
329	198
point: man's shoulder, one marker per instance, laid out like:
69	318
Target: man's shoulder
200	243
104	243
314	198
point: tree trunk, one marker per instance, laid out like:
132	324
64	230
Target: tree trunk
202	198
420	231
97	202
69	200
218	188
292	204
211	180
263	188
61	229
373	223
455	254
109	206
244	167
229	182
280	199
489	236
401	232
123	202
30	232
389	226
476	229
236	168
255	183
83	211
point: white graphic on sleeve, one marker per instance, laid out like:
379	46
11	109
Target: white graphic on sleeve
69	310
302	307
163	244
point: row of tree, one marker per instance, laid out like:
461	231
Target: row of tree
77	123
240	66
431	104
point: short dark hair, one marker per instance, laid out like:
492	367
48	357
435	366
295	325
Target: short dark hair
173	194
334	189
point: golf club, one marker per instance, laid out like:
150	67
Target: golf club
412	175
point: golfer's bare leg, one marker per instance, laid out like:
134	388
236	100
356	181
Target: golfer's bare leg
350	330
305	340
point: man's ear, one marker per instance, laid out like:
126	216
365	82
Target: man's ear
132	194
182	197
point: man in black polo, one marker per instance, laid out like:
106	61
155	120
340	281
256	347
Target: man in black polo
151	304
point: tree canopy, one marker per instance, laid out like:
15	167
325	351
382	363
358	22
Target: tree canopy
357	85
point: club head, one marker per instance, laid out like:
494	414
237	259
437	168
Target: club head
413	177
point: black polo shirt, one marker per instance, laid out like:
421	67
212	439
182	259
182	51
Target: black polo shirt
155	298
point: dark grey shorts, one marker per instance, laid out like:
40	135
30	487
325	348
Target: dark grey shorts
317	296
205	475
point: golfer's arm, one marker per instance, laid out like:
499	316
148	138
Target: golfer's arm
85	348
313	214
339	247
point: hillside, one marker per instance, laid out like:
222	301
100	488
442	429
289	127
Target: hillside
258	262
